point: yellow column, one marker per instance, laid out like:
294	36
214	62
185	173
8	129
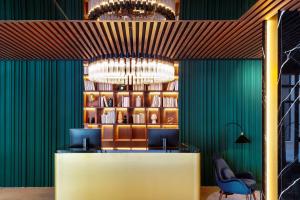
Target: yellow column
271	112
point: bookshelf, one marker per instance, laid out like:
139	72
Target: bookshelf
125	112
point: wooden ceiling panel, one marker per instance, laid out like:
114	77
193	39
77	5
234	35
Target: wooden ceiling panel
194	39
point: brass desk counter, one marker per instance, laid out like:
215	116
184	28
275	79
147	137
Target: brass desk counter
127	176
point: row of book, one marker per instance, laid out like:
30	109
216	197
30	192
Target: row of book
138	87
156	101
89	85
108	118
138	118
104	86
125	101
103	102
156	87
86	70
173	86
170	102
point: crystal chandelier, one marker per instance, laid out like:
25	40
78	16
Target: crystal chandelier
131	9
131	71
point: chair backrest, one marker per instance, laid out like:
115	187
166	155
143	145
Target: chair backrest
222	170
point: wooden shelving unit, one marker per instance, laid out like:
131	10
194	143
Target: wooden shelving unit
132	131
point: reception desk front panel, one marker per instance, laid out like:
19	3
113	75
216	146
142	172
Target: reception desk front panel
127	176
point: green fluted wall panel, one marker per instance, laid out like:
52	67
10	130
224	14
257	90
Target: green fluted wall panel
213	93
213	9
40	9
39	102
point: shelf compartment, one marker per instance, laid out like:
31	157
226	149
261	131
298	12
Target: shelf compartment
123	99
153	113
137	100
170	116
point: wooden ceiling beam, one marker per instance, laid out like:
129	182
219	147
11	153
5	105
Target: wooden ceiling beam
190	39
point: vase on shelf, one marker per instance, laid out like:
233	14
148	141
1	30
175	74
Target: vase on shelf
125	119
138	101
110	102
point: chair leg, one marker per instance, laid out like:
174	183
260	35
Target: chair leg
221	195
253	194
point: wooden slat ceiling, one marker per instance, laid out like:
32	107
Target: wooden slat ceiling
171	39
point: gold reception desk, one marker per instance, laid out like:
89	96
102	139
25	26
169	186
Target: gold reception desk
127	176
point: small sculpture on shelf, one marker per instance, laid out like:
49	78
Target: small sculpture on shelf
153	118
120	117
91	100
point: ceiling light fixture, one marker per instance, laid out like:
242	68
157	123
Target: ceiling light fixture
131	9
131	71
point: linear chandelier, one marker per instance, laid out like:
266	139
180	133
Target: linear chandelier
131	9
131	71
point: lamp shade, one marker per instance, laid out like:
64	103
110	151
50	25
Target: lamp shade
242	139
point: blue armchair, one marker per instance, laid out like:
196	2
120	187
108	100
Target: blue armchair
230	183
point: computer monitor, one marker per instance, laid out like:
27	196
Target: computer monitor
85	139
157	136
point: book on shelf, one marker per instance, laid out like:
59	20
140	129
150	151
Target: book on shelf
172	86
139	87
125	101
170	102
108	118
104	86
138	118
86	70
155	87
89	85
156	101
103	102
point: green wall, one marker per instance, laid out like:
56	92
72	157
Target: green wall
215	92
40	9
39	101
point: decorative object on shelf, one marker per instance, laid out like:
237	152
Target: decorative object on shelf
131	70
131	9
138	101
153	118
92	101
125	119
91	98
122	87
91	120
120	117
110	102
170	120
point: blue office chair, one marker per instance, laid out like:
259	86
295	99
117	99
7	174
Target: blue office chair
230	183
